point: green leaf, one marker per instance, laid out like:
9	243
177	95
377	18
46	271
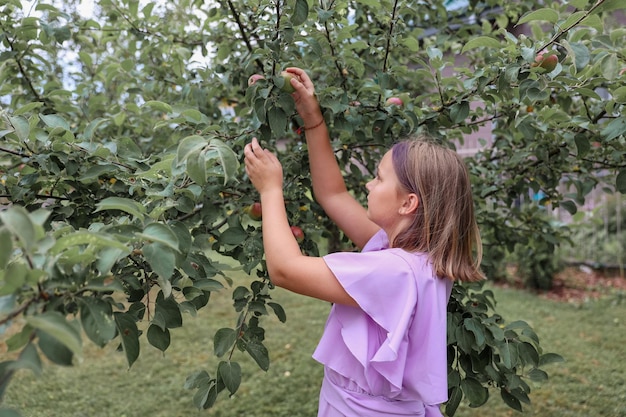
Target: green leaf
528	354
107	258
54	350
474	326
259	353
96	316
28	107
168	308
158	106
129	335
21	127
188	146
196	167
91	128
277	120
208	285
459	112
608	5
161	233
193	116
610	67
476	394
163	261
197	379
54	120
510	400
616	128
582	145
6	246
234	235
537	375
17	220
545	14
455	397
620	181
505	350
126	205
159	338
579	53
28	359
549	358
279	311
223	341
58	327
570	206
87	238
619	95
300	13
572	19
480	42
19	339
225	157
230	372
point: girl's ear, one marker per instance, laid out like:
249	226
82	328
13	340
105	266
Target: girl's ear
410	204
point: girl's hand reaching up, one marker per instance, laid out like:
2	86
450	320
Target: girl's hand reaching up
306	102
263	168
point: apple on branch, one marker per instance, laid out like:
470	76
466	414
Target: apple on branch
254	78
546	60
254	211
287	76
297	233
394	101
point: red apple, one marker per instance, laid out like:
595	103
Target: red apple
297	233
394	101
287	87
254	78
255	212
545	61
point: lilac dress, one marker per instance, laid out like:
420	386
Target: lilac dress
388	357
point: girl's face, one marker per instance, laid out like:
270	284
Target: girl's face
385	196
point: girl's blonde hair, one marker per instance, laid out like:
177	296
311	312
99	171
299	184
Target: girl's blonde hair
444	225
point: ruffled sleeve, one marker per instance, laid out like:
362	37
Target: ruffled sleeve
382	336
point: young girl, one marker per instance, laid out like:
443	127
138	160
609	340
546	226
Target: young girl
384	344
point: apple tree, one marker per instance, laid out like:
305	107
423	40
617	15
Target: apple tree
121	189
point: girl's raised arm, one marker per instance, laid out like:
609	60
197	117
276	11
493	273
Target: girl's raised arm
329	186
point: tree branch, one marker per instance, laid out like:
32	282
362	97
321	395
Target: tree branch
563	31
21	68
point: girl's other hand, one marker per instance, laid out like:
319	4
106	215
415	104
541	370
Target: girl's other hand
263	168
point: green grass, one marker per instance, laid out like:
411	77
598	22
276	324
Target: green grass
592	381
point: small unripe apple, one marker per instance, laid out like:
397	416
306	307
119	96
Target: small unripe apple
287	87
254	78
297	233
547	62
255	212
394	101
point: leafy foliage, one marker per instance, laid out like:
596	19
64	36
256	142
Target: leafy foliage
122	136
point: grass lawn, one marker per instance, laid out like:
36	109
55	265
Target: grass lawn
591	335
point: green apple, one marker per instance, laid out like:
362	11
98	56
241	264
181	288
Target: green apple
287	76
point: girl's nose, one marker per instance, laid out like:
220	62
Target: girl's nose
368	185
